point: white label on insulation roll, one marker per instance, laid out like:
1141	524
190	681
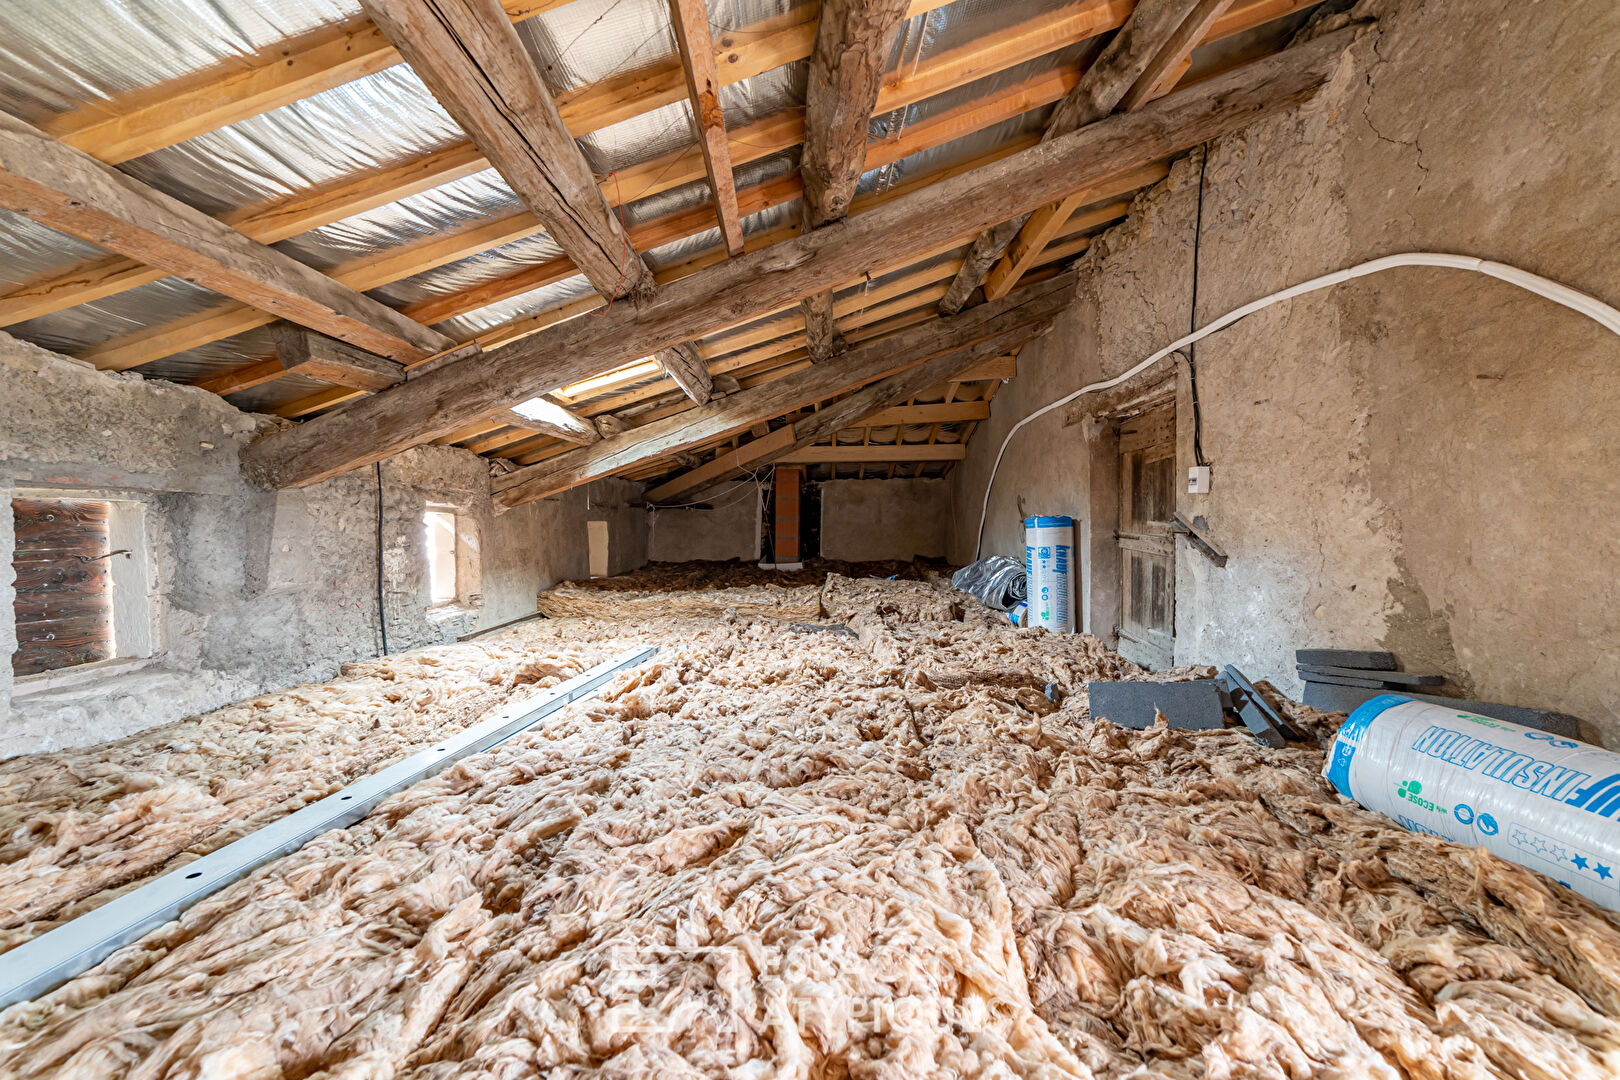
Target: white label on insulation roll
1533	798
1048	563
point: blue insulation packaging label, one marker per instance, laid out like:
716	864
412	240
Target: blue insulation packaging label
1048	562
1536	799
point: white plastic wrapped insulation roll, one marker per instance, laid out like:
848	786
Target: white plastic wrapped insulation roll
1536	799
1049	564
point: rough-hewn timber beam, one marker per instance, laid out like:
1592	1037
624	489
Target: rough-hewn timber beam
321	357
691	21
742	53
853	41
71	191
1146	34
740	289
687	369
1025	313
470	57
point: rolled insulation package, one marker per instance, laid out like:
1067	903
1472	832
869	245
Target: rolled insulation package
1533	798
1049	563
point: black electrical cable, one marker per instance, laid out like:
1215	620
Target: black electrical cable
1192	366
382	616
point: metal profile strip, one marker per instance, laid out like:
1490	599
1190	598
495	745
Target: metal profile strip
41	965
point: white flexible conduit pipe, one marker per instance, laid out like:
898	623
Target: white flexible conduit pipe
1589	306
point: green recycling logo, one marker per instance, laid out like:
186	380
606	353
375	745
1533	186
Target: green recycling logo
1411	790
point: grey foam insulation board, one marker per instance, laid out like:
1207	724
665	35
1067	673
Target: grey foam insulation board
1191	706
1330	698
1361	659
1398	678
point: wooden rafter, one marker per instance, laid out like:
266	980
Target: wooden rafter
425	408
754	50
691	22
1158	77
207	100
686	369
588	110
73	192
1150	32
1025	312
470	57
873	406
868	455
853	40
1045	225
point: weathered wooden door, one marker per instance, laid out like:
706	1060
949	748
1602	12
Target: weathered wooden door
1147	552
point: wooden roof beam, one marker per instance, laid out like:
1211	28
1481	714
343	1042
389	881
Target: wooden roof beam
853	42
425	408
104	276
592	108
1150	28
690	19
1159	76
470	57
1151	47
205	101
1027	311
688	371
873	406
73	192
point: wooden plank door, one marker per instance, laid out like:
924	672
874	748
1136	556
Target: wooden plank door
1147	552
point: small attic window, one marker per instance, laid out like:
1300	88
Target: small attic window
64	604
441	555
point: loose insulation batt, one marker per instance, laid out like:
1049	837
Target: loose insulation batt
774	854
80	826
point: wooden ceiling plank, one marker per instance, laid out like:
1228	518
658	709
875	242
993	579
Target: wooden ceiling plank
869	455
476	66
73	192
425	408
690	19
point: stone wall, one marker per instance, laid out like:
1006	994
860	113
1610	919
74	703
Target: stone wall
1422	460
725	527
251	590
872	520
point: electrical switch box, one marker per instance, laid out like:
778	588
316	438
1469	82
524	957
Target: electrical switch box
1198	480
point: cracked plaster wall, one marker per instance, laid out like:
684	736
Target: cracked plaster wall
1423	460
252	590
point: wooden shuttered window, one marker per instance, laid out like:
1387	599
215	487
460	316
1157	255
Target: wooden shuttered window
63	608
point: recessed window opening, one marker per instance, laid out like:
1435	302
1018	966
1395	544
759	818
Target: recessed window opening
63	562
440	526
